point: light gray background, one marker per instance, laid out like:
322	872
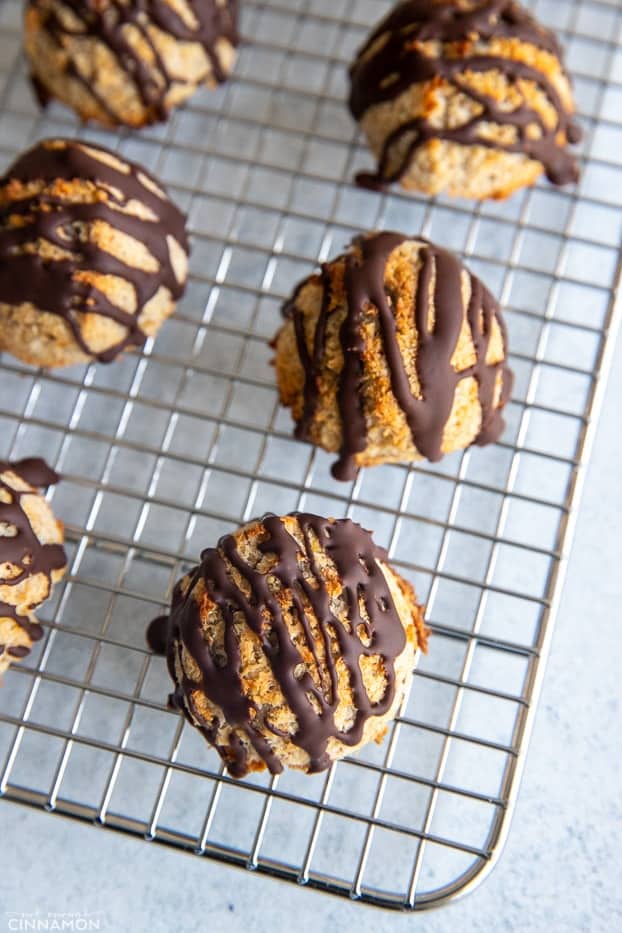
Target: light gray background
561	867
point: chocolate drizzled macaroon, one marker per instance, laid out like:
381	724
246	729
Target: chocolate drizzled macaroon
31	555
468	97
128	62
93	255
291	643
394	352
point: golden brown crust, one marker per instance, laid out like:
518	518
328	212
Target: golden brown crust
389	437
82	70
447	104
21	595
271	713
100	257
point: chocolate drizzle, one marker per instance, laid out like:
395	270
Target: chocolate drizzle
157	635
115	22
56	285
21	548
376	631
400	61
439	286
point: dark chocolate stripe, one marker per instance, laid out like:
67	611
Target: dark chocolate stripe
23	549
109	23
399	63
354	555
438	380
311	363
52	285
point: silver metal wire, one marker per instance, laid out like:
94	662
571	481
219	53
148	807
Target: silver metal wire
167	449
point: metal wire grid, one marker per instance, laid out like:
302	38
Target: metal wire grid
167	449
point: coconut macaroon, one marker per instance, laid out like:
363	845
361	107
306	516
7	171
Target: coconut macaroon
128	62
395	352
93	255
291	644
467	97
32	558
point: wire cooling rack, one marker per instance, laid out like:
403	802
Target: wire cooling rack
166	450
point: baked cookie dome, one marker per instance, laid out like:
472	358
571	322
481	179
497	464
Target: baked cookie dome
31	555
467	97
93	255
395	352
128	62
291	644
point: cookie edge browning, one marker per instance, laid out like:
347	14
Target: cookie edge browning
12	633
51	83
182	663
314	399
74	175
440	161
